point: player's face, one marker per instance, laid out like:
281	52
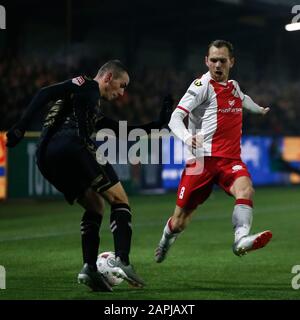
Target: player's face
115	87
219	63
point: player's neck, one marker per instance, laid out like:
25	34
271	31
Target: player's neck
100	85
223	81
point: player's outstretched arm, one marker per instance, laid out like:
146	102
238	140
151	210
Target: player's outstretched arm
164	117
41	98
250	105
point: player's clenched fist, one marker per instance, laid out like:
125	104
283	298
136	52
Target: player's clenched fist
14	136
195	141
264	110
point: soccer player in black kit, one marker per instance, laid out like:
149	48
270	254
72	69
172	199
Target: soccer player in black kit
66	156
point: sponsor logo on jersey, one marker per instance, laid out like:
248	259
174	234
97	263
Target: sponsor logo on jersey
237	167
227	110
197	83
78	81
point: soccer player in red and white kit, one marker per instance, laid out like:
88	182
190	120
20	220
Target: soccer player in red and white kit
213	105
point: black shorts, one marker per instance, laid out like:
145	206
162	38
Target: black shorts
72	167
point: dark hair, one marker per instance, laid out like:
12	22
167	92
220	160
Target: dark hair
114	66
221	44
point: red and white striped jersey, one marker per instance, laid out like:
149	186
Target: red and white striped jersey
215	109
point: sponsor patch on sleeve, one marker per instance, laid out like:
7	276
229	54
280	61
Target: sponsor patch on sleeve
192	93
197	83
78	81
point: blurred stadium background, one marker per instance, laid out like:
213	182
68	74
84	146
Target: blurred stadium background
163	46
163	43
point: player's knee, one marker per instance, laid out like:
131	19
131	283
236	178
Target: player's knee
119	198
92	201
246	192
99	205
116	195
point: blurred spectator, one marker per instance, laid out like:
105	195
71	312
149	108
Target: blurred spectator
21	78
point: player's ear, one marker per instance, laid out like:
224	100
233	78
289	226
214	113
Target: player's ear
108	77
206	60
232	62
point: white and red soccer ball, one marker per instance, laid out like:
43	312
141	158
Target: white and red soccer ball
106	266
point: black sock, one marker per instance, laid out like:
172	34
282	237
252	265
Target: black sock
90	226
120	225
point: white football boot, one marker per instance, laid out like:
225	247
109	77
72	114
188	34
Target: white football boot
128	273
164	246
251	242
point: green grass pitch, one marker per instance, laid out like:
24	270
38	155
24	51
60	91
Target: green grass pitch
40	249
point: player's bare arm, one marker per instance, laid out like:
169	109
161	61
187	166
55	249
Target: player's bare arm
251	106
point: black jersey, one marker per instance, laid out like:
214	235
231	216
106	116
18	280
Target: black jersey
66	155
76	111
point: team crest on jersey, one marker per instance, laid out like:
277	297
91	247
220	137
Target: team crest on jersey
231	102
78	80
197	83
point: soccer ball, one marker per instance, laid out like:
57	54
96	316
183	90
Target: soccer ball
106	266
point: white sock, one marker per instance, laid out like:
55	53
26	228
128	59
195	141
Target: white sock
241	220
168	233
